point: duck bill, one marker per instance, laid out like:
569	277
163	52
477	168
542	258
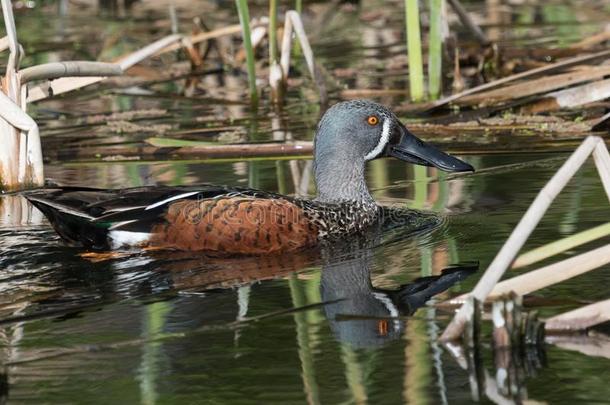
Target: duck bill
411	149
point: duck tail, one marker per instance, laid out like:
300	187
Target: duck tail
73	225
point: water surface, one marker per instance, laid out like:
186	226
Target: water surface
179	328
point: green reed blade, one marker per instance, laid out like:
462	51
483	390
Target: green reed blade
296	48
244	20
435	50
273	57
416	68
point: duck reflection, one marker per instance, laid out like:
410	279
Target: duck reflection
365	316
359	313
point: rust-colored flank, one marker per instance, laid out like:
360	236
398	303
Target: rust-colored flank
235	225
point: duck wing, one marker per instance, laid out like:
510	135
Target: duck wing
85	216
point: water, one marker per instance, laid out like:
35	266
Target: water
178	328
313	354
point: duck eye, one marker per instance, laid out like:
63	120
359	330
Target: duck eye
372	120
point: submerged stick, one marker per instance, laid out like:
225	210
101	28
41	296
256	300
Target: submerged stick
521	232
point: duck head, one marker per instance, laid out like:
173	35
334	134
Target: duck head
353	132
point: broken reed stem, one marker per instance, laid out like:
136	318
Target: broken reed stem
11	33
55	70
21	162
272	32
244	20
554	248
4	44
435	50
520	234
66	84
528	73
173	17
24	163
416	68
552	274
602	163
580	319
249	150
279	74
297	26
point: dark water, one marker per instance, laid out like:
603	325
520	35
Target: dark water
185	329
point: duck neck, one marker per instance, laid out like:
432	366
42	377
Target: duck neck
342	184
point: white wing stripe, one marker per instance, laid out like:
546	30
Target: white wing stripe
176	197
64	208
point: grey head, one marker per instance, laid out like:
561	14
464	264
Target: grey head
353	132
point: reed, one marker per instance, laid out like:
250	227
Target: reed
296	49
244	20
488	284
416	68
435	50
273	32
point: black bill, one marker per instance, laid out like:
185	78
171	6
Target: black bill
407	147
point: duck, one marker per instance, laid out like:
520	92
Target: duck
222	220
